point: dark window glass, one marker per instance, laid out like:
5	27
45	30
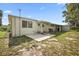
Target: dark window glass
24	24
38	24
29	24
42	25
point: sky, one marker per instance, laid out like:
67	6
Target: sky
51	12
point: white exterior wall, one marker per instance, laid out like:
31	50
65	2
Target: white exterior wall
13	27
29	30
17	29
46	28
50	27
66	28
43	29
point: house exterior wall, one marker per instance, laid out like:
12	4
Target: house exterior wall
15	27
39	28
66	28
43	29
29	30
18	30
51	27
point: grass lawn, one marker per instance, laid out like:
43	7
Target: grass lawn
2	34
2	39
64	36
67	44
15	44
64	43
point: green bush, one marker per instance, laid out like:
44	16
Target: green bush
8	28
3	28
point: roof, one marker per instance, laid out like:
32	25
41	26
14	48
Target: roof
23	17
37	20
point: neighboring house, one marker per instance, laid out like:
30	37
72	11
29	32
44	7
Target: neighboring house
22	26
0	17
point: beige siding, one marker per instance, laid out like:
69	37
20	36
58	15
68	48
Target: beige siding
50	27
15	27
17	30
66	28
43	29
30	30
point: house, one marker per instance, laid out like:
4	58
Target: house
22	26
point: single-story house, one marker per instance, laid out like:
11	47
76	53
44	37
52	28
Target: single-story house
22	26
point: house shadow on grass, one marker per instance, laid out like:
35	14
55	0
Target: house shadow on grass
19	40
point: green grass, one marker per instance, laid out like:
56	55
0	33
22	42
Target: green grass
68	47
2	34
61	36
63	46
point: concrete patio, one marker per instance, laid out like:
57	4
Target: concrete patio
39	37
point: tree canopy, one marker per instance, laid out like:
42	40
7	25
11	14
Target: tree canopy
71	13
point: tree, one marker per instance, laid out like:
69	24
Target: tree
71	14
1	13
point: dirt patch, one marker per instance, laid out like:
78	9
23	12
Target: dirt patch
69	38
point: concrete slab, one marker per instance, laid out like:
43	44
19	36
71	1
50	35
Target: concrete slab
39	37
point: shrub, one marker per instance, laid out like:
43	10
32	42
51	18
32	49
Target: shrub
3	28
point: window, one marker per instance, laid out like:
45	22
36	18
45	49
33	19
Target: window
24	24
29	24
42	25
38	24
